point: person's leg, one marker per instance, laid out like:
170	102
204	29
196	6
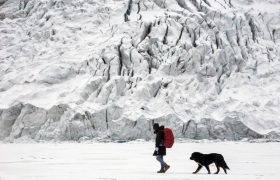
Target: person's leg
165	166
160	159
162	163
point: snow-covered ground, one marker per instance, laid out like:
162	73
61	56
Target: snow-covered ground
73	161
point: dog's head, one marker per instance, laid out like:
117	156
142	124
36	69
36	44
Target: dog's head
195	156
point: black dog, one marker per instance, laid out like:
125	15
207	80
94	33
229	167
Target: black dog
207	159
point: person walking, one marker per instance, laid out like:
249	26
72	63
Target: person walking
160	149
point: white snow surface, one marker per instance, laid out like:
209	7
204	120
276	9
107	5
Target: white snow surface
134	160
116	65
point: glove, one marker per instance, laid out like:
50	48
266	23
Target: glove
156	149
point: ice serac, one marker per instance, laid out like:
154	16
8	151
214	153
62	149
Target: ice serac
74	70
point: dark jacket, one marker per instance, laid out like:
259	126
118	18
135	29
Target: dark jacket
160	142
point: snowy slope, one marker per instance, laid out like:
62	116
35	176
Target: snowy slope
73	70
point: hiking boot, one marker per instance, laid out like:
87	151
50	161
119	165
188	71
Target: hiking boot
166	168
161	170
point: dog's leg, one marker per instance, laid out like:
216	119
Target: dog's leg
198	168
207	167
218	169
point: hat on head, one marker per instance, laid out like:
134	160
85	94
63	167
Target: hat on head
155	126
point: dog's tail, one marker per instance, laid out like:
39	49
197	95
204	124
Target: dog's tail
224	164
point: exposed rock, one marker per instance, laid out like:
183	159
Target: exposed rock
7	119
29	122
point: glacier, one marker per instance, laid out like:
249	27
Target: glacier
109	69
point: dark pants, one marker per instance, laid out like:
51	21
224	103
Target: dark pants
160	159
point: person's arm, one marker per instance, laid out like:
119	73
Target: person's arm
158	139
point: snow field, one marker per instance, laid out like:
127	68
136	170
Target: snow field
134	160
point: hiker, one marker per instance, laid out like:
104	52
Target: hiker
160	149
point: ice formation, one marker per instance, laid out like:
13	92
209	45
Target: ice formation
82	69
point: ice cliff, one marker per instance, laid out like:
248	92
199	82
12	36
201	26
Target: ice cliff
82	69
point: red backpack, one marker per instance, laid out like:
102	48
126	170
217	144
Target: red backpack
168	138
